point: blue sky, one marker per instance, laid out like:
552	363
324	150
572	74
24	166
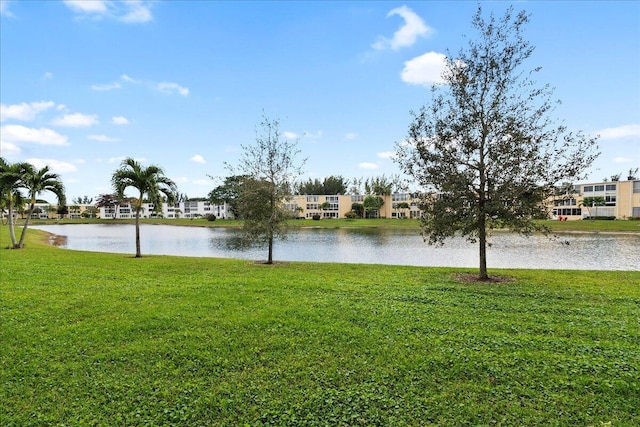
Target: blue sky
182	84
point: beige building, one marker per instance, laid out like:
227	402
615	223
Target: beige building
399	205
621	200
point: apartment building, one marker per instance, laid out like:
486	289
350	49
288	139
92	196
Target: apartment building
398	205
621	200
186	209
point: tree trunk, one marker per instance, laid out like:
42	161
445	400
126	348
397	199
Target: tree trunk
12	231
138	253
270	256
482	242
24	226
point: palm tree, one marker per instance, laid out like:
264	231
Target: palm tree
10	196
37	181
149	181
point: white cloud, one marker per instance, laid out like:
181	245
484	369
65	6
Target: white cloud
138	12
126	78
56	166
102	138
17	133
386	155
106	87
4	9
351	135
290	135
622	160
119	120
316	135
198	159
8	148
407	35
424	69
632	130
171	88
76	120
130	11
24	111
369	166
84	6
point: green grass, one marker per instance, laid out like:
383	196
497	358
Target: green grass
110	340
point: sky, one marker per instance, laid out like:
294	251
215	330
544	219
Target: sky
183	84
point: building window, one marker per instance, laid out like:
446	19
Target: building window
636	186
312	206
565	202
331	199
587	188
610	187
598	188
567	212
357	198
399	197
610	200
312	199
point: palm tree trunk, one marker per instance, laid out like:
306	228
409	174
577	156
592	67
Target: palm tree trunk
26	223
12	231
138	252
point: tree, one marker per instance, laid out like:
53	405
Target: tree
10	195
331	185
228	193
310	187
358	209
150	181
272	169
84	200
593	202
334	184
372	205
486	145
108	201
37	181
379	185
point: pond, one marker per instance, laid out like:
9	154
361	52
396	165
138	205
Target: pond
363	245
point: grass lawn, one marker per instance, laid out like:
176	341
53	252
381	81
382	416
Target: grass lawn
109	340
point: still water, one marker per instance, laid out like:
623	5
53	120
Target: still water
366	246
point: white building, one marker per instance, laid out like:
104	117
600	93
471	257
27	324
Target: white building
186	209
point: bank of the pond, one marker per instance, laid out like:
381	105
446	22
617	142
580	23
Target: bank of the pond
108	339
599	226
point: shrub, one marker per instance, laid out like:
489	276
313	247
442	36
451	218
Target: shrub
316	217
210	217
351	215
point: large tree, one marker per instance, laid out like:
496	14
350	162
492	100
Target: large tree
37	181
228	193
331	185
149	181
271	168
487	147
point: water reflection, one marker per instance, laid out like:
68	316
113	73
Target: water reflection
363	245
